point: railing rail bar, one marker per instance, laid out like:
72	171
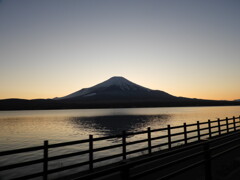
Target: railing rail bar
191	131
159	137
176	127
137	142
67	155
177	134
159	145
22	150
68	143
107	147
28	163
107	158
51	171
160	129
136	133
201	129
137	150
189	125
192	137
177	141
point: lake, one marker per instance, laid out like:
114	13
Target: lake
30	128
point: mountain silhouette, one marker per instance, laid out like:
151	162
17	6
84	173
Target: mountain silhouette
116	92
118	89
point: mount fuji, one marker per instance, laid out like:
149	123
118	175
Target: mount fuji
118	89
116	92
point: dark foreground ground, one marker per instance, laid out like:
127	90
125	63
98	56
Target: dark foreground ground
224	167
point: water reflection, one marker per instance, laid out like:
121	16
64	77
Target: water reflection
112	125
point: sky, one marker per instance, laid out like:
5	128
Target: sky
51	48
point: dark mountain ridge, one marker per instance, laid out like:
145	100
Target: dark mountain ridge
116	92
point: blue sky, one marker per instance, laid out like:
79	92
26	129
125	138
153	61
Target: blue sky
187	48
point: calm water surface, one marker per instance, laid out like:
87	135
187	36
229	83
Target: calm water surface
29	128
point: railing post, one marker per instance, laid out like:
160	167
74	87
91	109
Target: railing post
124	149
207	156
219	127
209	128
198	131
125	171
45	161
90	152
169	137
239	119
185	132
149	141
227	125
234	123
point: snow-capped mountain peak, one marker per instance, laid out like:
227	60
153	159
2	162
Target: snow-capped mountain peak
120	82
116	87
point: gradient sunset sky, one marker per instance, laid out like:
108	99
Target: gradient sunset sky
51	48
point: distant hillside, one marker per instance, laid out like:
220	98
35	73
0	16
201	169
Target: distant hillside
116	92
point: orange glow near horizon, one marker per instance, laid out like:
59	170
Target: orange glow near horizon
59	90
188	49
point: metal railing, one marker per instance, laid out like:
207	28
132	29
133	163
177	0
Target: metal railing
201	130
